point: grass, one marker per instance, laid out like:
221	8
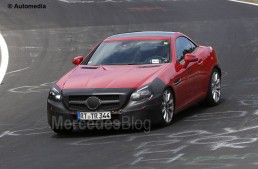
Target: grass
253	1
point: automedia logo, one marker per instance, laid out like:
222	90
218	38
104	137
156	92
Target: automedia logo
26	6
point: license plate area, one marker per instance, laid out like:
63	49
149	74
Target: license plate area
93	115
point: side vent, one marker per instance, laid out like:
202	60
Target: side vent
88	67
149	66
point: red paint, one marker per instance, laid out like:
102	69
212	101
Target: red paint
193	75
78	60
111	77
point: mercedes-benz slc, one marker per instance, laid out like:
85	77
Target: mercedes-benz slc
132	78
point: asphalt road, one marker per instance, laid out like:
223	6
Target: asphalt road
42	43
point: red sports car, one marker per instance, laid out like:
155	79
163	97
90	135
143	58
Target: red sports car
132	78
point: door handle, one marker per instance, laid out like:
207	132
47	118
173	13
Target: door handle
200	61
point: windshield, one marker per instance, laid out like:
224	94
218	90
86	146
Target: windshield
131	52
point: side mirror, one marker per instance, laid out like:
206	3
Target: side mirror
77	60
189	58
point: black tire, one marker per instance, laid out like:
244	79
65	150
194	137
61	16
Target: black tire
167	107
214	91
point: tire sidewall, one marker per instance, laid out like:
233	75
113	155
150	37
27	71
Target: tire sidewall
209	99
162	121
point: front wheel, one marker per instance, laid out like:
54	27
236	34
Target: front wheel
214	92
167	107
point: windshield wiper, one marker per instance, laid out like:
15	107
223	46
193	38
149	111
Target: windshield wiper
133	64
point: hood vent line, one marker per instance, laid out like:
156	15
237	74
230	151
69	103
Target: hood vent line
149	66
88	67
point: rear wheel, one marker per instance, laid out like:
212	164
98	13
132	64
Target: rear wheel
214	92
167	107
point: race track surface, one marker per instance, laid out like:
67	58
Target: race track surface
42	43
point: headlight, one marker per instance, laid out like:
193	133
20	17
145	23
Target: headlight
55	93
142	93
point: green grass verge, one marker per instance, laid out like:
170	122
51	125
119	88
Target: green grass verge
253	1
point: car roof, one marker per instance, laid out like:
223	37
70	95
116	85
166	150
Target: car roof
143	34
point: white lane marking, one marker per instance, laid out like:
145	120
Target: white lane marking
32	89
250	3
46	132
224	74
17	70
4	58
31	47
4	134
26	132
157	160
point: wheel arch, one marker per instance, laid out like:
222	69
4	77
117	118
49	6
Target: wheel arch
159	86
218	68
171	88
174	94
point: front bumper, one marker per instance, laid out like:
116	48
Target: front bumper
139	113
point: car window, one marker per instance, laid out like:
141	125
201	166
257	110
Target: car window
131	52
183	46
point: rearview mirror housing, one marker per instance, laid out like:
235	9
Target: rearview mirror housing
189	57
77	60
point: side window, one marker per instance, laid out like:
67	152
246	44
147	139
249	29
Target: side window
183	46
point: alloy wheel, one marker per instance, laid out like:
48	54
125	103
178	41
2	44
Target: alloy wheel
215	86
167	106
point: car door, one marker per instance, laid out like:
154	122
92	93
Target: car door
196	70
201	53
190	74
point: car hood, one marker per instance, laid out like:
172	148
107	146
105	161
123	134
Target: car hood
126	76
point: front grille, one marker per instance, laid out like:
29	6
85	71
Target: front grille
101	97
107	102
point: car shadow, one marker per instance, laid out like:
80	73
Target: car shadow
97	133
195	109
